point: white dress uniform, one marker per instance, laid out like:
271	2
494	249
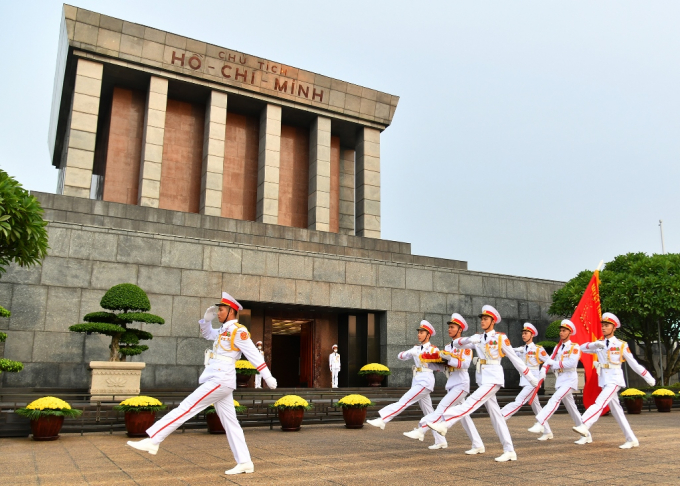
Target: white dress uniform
334	365
611	354
258	377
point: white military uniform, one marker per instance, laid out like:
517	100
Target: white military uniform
334	365
533	356
258	377
218	382
457	387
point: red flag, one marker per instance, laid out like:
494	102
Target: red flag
587	318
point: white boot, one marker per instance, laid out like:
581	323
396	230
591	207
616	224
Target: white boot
629	445
439	428
144	445
581	429
537	428
442	445
546	436
415	434
476	450
584	440
246	467
507	456
377	423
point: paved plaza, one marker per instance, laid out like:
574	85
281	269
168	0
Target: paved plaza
331	454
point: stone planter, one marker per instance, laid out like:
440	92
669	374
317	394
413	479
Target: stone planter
291	419
242	380
354	417
214	424
634	405
114	380
581	378
374	379
47	427
663	404
136	423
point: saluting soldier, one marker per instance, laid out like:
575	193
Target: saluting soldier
334	365
533	355
611	353
457	363
218	383
258	377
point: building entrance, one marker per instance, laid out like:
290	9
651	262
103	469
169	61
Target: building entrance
292	352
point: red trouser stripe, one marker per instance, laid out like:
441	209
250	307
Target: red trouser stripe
473	405
604	404
172	422
450	404
556	405
520	406
407	402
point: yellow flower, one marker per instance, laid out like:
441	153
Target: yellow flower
291	401
236	404
354	400
374	367
663	392
48	403
244	364
141	401
633	392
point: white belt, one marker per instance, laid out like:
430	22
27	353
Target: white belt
211	355
481	362
419	369
565	370
606	366
449	370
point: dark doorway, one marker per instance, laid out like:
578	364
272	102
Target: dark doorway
293	352
286	359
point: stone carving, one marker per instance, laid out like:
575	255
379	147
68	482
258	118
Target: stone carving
116	382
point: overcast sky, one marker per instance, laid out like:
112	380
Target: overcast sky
531	138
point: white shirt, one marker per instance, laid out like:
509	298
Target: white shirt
533	356
617	352
425	378
334	361
460	360
567	358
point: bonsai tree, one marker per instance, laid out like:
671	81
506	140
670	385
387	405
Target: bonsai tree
128	304
552	335
8	364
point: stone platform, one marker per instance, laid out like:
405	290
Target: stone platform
332	454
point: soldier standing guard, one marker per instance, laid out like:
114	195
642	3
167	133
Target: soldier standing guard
334	365
218	383
490	346
457	387
533	356
610	353
258	377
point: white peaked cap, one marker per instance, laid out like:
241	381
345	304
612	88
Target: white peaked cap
456	318
489	310
334	346
230	301
427	326
259	342
569	325
530	327
609	317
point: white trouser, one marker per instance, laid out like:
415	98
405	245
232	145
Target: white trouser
417	393
608	397
484	395
258	381
454	396
206	394
334	378
562	394
513	407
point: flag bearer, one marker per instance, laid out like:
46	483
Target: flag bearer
457	362
218	382
533	355
490	346
258	377
610	354
334	365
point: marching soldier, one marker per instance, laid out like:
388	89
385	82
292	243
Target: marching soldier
258	377
490	346
334	365
533	355
423	378
610	354
457	362
564	365
218	382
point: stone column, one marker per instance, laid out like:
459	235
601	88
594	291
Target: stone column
152	143
346	191
268	164
213	154
368	183
78	159
319	200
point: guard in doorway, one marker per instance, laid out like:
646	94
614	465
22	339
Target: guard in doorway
218	383
334	365
258	377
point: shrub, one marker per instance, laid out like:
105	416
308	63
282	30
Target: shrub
374	369
553	330
237	406
354	401
548	345
48	406
245	367
140	404
291	402
7	364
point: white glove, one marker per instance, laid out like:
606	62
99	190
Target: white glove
598	345
532	379
651	381
210	314
550	362
475	339
271	382
541	374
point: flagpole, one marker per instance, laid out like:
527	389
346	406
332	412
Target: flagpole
658	322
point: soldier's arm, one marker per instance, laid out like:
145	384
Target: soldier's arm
405	355
637	367
592	348
250	351
572	360
207	330
464	343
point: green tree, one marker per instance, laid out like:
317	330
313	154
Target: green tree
8	364
23	238
129	304
644	293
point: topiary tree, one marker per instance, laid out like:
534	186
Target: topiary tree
8	364
132	305
553	331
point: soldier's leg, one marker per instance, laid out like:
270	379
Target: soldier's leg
471	430
237	441
499	424
513	407
472	403
620	418
409	398
258	381
453	397
536	407
427	408
572	409
199	400
552	404
595	410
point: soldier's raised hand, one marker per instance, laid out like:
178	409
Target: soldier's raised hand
271	382
210	314
475	339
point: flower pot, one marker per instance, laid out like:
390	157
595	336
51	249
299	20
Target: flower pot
634	405
115	380
354	417
291	419
214	424
663	404
374	379
242	380
136	423
47	427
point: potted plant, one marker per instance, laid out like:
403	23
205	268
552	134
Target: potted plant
291	410
7	364
354	410
128	304
214	424
47	416
633	399
374	373
140	414
244	370
663	399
